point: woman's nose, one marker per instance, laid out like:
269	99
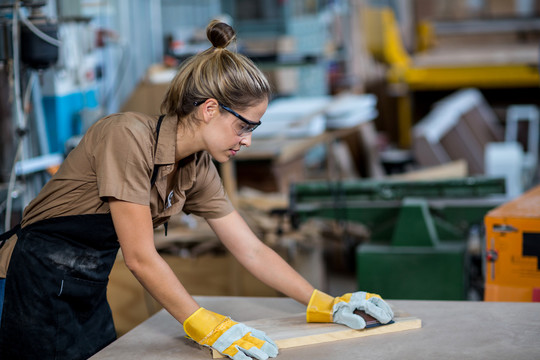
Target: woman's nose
246	140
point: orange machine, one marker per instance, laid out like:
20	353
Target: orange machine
512	269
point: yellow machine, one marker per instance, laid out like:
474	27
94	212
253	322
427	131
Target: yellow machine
480	66
512	269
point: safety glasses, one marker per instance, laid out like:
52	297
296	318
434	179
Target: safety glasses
243	129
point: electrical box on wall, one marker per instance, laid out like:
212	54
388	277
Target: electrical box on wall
36	52
512	266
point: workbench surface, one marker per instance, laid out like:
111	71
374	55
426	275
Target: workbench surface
450	330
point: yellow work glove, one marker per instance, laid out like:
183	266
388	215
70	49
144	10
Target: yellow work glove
235	340
340	310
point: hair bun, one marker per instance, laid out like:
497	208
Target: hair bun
220	34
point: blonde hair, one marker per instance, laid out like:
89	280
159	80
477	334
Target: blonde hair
229	77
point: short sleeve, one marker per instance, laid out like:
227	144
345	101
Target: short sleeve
123	161
207	198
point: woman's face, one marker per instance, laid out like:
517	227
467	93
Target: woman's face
223	135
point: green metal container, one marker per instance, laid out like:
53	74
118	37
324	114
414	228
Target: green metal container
421	273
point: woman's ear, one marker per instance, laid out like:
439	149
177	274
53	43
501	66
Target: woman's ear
210	109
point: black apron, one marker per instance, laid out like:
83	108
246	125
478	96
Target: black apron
55	303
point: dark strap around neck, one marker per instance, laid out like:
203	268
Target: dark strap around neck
155	171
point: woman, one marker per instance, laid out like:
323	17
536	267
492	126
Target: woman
129	174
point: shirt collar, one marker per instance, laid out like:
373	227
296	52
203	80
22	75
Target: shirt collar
166	146
166	151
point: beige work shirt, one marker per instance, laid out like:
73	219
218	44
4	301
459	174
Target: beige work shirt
116	158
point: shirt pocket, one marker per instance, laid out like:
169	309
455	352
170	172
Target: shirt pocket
173	204
81	296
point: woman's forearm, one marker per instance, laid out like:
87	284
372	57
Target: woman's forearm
133	225
160	281
259	259
274	271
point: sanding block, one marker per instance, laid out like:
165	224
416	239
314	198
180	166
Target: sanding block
370	320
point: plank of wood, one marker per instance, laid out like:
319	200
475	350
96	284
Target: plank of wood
450	170
293	331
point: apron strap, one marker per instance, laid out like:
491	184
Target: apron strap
156	167
155	171
5	236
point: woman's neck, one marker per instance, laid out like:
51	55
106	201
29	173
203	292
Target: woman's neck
188	142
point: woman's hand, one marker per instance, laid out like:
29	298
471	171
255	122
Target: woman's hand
340	310
235	340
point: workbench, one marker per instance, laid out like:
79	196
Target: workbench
450	330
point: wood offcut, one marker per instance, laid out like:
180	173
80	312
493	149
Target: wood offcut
293	331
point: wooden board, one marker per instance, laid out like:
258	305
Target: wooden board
450	170
293	331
